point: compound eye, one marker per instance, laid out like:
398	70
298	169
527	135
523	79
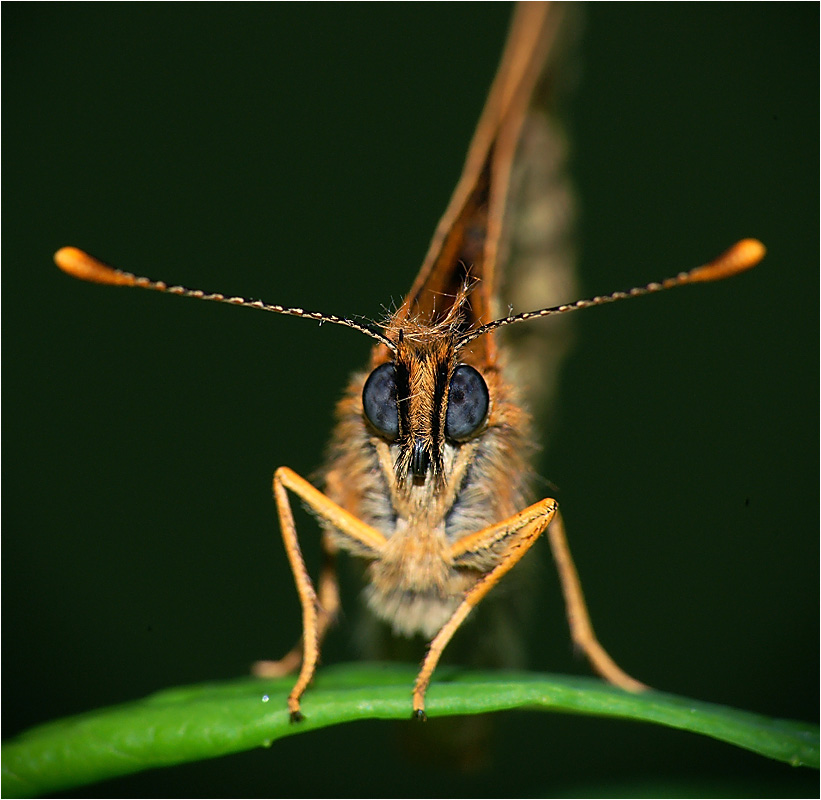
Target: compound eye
468	403
379	401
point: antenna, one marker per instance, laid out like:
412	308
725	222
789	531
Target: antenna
741	256
87	268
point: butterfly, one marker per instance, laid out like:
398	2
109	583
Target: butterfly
427	478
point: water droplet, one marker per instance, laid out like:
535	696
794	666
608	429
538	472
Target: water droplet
265	698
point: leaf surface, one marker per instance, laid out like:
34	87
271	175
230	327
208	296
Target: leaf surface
209	720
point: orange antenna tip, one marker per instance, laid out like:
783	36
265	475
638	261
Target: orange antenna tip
741	256
78	264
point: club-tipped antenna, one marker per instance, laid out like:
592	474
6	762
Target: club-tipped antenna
85	267
741	256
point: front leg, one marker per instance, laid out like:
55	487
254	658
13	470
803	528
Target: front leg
328	609
505	543
362	539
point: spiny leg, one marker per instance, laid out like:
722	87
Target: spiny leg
363	538
581	629
518	535
328	609
307	598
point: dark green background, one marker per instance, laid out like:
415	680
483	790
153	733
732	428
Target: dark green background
303	154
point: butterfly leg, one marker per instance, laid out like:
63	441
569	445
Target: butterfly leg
364	540
327	607
508	541
581	629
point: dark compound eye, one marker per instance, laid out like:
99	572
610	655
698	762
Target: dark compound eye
379	401
468	402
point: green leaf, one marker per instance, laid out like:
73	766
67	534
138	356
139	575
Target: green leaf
209	720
